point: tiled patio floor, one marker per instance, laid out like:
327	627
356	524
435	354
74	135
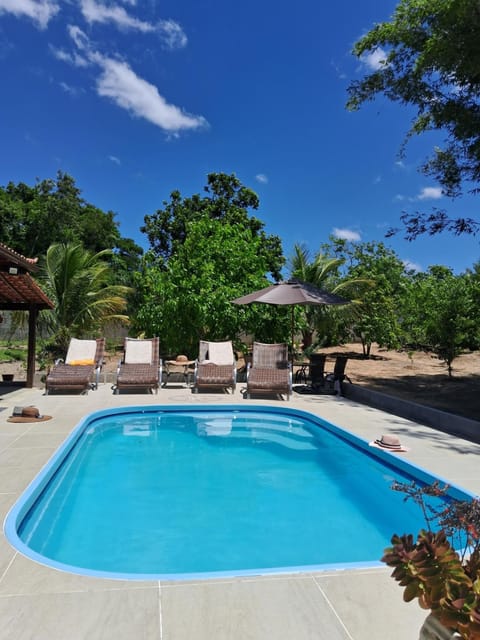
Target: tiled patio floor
40	603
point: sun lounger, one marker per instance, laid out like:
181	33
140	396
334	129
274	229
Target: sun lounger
270	371
215	367
141	367
81	369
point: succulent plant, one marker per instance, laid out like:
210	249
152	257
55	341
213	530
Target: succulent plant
442	579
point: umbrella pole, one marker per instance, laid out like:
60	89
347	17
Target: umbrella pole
293	333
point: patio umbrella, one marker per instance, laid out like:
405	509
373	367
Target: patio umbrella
292	292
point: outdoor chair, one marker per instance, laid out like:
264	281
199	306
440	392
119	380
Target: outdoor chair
270	371
335	379
317	370
80	371
141	367
215	367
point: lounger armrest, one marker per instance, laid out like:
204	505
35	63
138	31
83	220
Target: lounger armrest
59	361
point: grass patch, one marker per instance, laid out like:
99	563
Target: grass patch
12	353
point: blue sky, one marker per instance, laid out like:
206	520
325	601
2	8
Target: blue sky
135	99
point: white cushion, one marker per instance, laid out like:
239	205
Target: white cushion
81	350
138	351
220	352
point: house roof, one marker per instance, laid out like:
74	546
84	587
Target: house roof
18	290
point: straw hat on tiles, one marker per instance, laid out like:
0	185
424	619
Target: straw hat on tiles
389	443
27	414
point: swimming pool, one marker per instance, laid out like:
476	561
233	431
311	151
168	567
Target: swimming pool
199	491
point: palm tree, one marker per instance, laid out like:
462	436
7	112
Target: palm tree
323	272
80	284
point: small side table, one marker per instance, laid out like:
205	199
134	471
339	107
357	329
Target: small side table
181	367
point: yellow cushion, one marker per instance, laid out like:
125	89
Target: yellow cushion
86	361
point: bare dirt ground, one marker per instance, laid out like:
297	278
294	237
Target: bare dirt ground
422	378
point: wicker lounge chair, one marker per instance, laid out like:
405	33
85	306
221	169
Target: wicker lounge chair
270	371
81	369
215	367
141	367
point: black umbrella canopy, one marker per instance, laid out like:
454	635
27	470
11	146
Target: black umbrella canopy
292	292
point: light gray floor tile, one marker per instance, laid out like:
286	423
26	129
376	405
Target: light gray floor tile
6	502
15	479
61	427
25	577
7	439
6	554
108	615
354	593
282	609
26	457
13	428
37	439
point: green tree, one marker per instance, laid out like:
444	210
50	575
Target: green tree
190	297
33	218
227	201
376	320
431	62
439	313
79	284
324	272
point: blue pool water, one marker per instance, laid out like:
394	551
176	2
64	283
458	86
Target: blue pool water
175	491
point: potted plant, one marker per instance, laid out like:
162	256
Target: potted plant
441	567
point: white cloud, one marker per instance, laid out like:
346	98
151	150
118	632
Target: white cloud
399	198
346	234
430	193
72	91
115	160
377	179
119	83
96	12
79	38
170	31
375	60
262	178
72	58
172	34
40	11
412	266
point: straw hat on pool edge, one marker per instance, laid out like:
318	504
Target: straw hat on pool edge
27	414
388	443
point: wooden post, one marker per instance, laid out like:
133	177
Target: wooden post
32	326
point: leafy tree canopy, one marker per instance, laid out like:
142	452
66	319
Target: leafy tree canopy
323	271
52	211
190	298
381	273
79	283
431	63
227	201
439	312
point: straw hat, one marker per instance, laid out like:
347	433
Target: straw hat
28	414
389	443
181	359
